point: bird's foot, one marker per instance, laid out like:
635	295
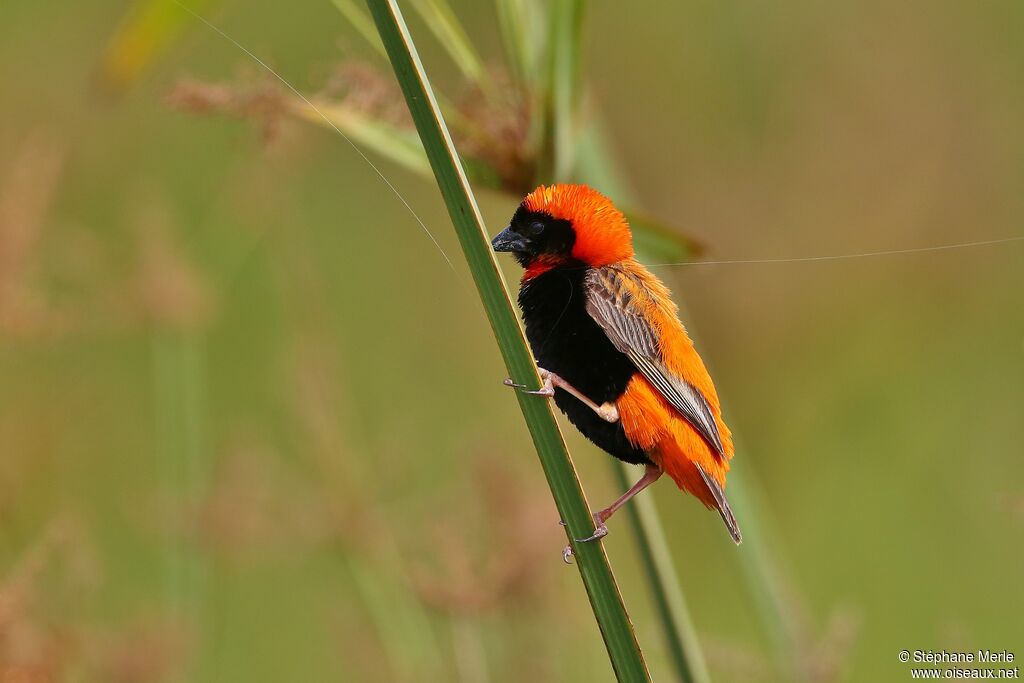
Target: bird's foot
600	531
608	411
547	388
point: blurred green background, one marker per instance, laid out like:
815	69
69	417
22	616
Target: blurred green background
252	426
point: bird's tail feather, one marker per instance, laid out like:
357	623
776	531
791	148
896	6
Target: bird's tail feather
722	503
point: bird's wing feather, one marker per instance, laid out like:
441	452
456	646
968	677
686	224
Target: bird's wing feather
612	301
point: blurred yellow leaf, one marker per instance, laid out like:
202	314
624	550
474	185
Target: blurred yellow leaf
147	29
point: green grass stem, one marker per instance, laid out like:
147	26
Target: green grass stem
606	601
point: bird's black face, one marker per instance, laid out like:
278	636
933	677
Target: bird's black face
534	235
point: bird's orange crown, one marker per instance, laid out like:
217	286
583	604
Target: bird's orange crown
602	233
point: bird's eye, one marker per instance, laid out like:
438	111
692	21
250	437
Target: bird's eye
536	228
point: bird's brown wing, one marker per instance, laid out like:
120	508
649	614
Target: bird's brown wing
616	301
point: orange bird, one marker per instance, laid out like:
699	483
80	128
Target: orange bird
611	349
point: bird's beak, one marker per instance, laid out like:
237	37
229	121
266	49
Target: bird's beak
507	240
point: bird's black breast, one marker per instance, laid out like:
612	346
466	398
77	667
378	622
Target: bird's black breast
566	341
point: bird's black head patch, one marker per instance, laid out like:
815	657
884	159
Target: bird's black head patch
533	234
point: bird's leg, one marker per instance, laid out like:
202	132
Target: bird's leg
651	475
606	411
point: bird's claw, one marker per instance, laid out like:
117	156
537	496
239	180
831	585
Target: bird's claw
600	532
546	390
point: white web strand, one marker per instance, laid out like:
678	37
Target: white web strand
330	123
843	257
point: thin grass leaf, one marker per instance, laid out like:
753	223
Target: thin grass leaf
179	408
402	627
470	654
662	242
609	611
362	23
447	28
399	145
519	23
778	605
564	43
662	578
396	144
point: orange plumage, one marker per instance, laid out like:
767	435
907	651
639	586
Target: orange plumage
651	423
612	337
602	234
